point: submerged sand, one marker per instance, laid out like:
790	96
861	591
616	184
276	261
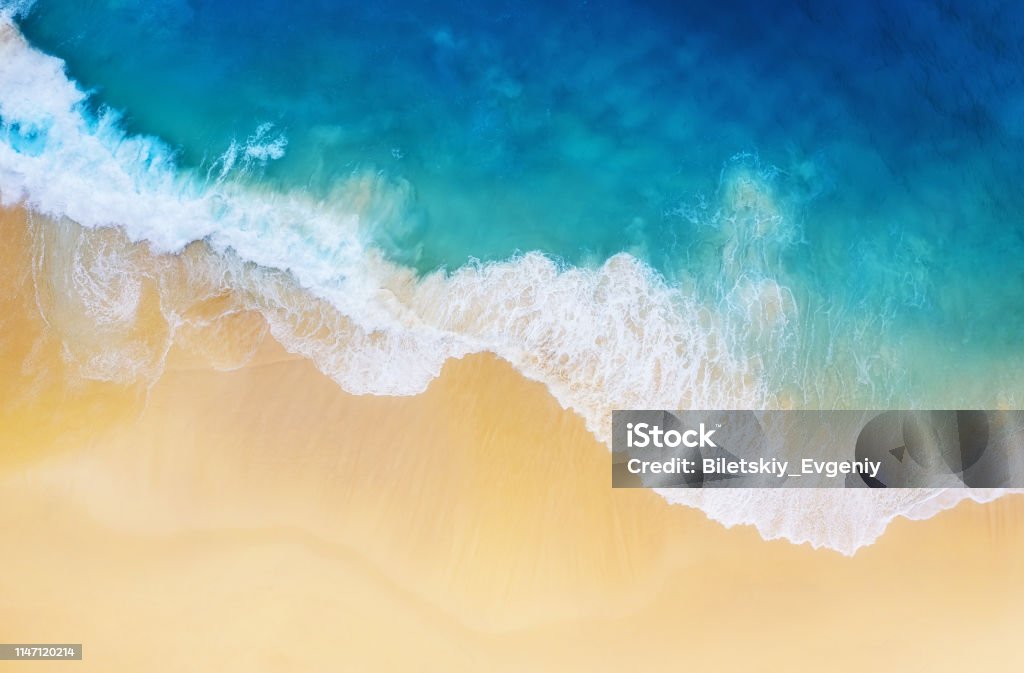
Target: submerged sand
261	519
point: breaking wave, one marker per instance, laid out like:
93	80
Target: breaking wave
121	220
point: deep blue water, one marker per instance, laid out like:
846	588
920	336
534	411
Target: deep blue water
888	135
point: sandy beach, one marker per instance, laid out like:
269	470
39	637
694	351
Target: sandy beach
261	519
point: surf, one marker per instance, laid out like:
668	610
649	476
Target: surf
612	335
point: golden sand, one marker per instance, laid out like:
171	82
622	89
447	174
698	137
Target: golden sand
263	520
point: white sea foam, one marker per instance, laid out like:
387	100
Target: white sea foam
258	149
616	336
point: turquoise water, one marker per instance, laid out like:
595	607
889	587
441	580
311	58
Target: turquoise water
886	138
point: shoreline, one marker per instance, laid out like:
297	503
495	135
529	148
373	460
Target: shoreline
260	518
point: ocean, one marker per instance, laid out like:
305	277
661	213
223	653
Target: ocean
639	204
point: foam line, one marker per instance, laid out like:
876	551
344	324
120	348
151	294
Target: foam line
613	336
